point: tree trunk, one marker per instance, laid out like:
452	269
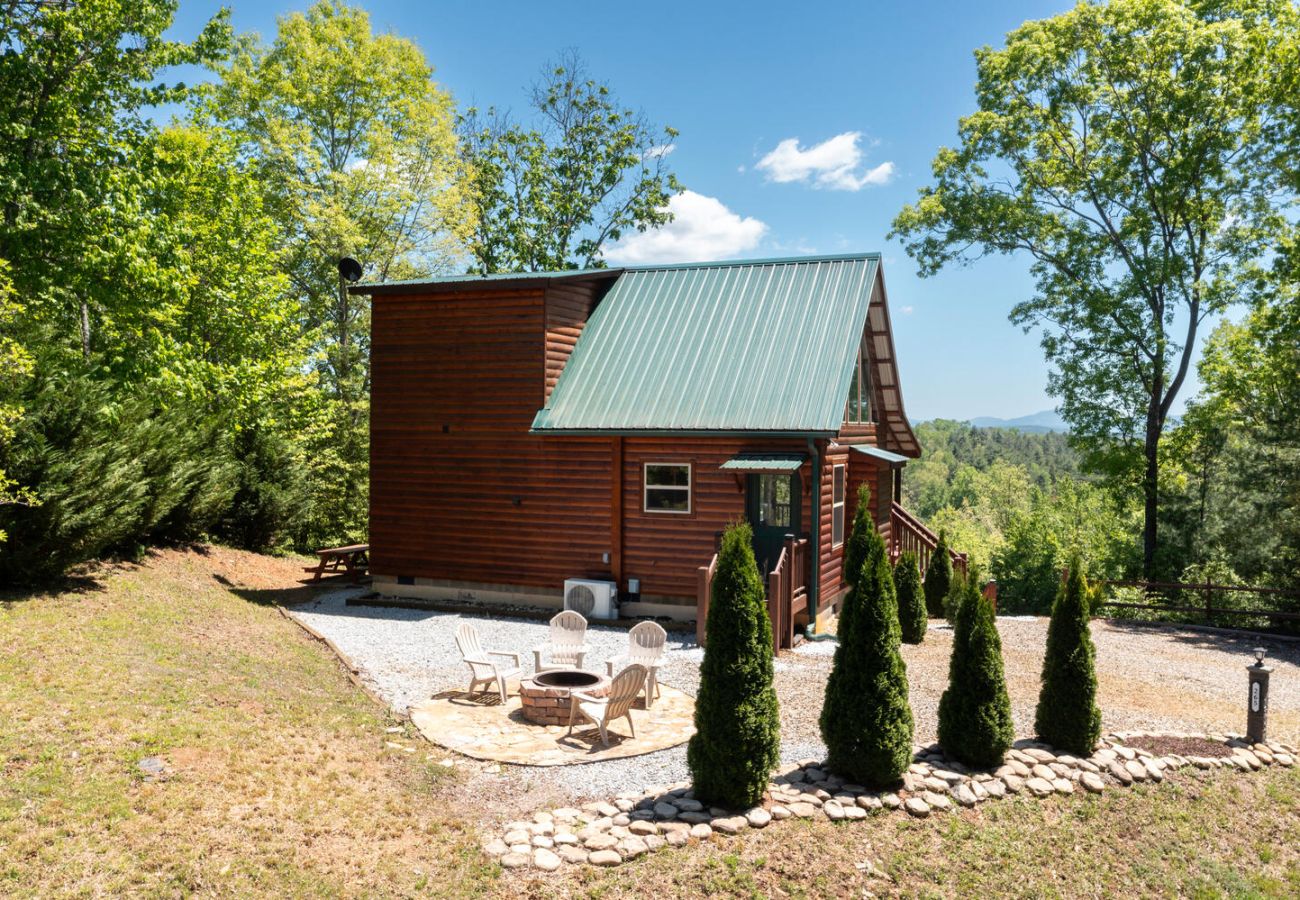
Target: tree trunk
85	331
1151	488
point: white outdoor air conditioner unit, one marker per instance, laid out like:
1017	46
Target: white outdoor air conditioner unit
593	599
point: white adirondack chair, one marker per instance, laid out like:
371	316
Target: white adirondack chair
483	670
567	646
645	647
601	711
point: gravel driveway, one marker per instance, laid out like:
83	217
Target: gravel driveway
1158	678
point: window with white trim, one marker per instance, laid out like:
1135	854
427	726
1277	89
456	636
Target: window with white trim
837	505
667	487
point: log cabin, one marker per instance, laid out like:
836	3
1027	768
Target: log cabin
536	428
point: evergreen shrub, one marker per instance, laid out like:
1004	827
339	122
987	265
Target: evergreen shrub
938	578
911	599
975	725
866	721
737	736
1067	716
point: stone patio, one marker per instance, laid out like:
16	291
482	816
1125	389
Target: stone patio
480	726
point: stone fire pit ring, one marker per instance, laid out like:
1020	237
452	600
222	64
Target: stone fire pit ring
544	698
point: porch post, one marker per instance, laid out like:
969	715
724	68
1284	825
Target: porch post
815	569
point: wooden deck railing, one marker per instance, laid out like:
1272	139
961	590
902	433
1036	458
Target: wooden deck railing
787	592
704	587
907	532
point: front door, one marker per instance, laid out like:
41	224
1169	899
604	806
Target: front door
772	508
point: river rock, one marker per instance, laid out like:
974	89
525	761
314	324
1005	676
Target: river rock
1039	787
915	806
1092	782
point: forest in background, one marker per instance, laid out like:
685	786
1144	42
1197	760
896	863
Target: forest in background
178	360
1019	504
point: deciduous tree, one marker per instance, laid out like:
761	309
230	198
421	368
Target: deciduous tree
555	194
77	81
355	146
1125	148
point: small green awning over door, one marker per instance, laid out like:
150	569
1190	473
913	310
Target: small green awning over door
893	459
764	462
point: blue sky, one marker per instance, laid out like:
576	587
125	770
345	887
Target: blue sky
803	129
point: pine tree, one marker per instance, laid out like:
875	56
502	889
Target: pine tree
866	721
737	737
1068	717
911	601
938	578
975	725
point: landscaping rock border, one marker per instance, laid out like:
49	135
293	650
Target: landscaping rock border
635	823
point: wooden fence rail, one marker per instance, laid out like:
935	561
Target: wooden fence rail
1208	590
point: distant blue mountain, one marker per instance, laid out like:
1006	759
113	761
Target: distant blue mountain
1038	423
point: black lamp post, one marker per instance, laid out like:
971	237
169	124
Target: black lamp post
1257	699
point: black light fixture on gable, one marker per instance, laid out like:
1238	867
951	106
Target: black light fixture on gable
349	269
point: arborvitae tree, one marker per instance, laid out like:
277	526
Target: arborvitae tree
952	601
1068	717
911	601
938	578
855	551
975	726
866	721
737	737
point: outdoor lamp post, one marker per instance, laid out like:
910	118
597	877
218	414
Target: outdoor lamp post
1257	698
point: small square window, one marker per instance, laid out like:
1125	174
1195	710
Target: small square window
667	488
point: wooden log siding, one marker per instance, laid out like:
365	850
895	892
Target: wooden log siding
459	490
568	306
666	550
859	469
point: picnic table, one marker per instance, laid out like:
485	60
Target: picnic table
353	559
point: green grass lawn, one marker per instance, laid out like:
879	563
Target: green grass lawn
282	782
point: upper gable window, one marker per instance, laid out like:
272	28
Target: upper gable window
859	411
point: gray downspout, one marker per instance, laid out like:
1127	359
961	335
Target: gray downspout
814	585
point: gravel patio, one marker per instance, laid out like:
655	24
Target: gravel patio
1158	678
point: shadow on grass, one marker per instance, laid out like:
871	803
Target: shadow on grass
292	596
89	578
1239	642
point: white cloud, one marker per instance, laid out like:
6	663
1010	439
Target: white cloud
907	310
834	164
702	229
660	151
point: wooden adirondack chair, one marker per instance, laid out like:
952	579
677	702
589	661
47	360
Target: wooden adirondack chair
482	670
645	647
616	705
567	646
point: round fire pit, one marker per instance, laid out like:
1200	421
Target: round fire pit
545	696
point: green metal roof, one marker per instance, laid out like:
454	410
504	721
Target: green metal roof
766	346
894	459
764	462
